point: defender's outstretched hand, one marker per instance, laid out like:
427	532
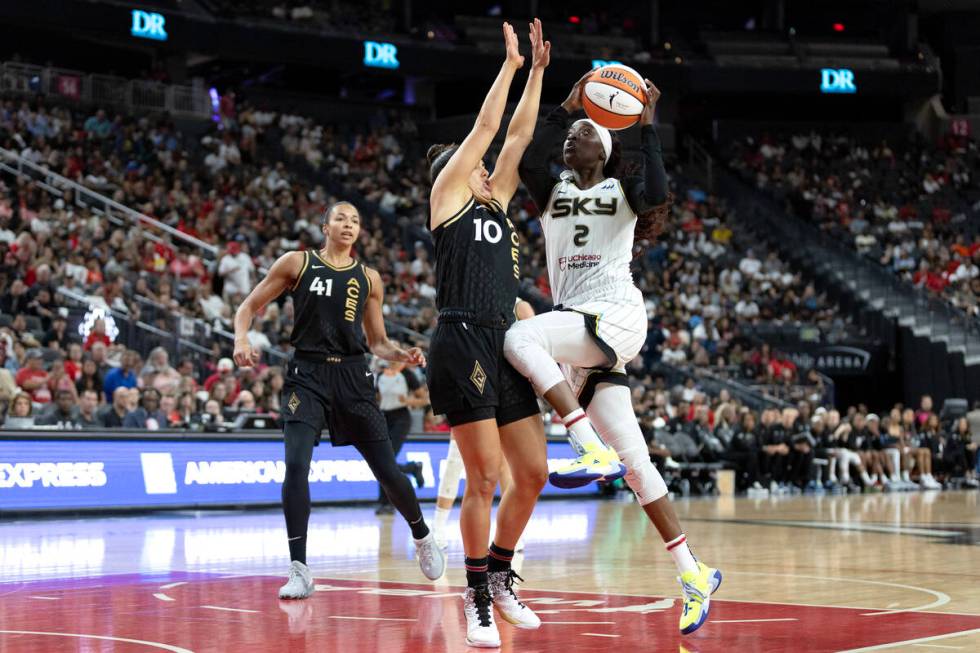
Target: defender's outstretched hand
540	49
510	43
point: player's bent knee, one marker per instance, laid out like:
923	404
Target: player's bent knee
519	336
482	485
646	482
530	481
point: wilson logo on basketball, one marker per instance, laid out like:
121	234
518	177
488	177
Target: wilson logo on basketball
611	73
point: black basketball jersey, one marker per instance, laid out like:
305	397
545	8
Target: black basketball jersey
478	261
329	308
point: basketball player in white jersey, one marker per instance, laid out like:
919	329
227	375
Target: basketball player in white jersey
575	356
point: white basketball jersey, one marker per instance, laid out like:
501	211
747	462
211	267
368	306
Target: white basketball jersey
589	242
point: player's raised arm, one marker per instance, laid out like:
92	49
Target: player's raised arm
535	164
451	185
282	276
649	189
374	327
504	181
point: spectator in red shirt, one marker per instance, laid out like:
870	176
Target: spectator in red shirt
225	372
186	266
33	379
97	334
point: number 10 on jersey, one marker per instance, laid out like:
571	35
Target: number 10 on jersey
487	230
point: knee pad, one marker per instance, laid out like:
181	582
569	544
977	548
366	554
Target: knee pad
646	482
524	349
611	412
518	337
451	473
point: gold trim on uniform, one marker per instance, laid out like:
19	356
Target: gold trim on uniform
306	262
334	268
478	377
459	214
367	276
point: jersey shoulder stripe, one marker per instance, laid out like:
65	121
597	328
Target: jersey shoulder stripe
459	214
302	270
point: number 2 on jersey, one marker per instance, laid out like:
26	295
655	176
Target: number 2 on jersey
581	235
320	288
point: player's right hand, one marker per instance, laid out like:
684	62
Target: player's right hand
510	43
574	100
244	355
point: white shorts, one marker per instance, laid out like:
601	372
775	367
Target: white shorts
619	329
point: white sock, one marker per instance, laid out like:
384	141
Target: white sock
866	479
906	477
581	431
681	553
440	519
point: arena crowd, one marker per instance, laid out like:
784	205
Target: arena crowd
256	184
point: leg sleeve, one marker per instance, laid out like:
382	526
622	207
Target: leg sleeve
611	412
300	439
381	459
449	483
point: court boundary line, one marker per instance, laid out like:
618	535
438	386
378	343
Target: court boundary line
941	597
881	647
649	596
107	638
858	527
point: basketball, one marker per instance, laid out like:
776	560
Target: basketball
614	96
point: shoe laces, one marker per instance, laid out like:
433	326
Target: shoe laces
427	551
508	584
691	591
480	602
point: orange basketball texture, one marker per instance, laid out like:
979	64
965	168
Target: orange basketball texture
613	96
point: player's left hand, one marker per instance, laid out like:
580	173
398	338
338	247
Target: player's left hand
653	94
540	49
414	356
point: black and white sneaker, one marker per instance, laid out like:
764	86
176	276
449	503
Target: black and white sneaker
507	603
481	631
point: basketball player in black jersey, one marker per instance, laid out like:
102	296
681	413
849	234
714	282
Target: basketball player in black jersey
491	408
337	301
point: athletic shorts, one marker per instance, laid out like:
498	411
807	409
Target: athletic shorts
620	331
336	393
470	380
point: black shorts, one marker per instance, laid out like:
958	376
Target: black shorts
337	395
470	380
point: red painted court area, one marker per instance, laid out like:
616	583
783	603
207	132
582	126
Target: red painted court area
200	612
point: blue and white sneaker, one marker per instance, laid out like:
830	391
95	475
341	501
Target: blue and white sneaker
595	464
697	588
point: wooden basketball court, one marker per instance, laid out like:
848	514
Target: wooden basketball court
874	572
